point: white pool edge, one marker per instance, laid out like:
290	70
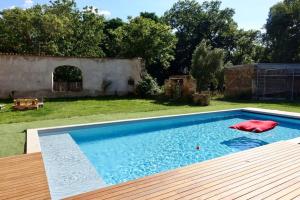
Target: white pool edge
33	143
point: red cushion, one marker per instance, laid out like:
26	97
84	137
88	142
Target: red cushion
256	126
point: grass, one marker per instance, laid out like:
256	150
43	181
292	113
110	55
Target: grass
13	124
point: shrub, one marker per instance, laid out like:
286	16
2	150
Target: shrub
201	99
207	64
148	87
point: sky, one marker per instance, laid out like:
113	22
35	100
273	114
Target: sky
250	14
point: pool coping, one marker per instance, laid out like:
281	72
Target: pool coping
33	143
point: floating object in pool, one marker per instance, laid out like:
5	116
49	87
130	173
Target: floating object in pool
256	126
198	147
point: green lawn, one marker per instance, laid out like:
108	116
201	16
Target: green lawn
63	112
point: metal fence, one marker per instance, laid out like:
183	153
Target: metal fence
277	82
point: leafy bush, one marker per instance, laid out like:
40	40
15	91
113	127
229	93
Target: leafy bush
148	87
202	99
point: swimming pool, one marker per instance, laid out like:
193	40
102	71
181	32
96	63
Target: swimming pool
123	151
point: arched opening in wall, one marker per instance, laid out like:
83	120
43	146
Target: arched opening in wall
67	79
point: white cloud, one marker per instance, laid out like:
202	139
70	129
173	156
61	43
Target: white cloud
11	7
27	3
105	13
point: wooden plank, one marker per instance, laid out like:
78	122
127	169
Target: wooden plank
293	194
284	190
255	185
23	177
280	188
220	188
235	173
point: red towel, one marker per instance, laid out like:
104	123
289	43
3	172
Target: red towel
256	126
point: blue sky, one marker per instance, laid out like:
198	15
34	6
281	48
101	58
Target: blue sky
250	14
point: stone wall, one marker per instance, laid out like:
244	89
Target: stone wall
33	75
186	83
239	81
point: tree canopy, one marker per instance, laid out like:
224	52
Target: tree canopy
283	32
143	37
109	45
55	29
194	22
247	47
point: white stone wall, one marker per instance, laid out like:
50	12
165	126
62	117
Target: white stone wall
33	75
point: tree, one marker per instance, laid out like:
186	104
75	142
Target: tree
88	34
147	87
67	73
110	45
248	47
55	29
283	32
194	22
150	40
207	64
150	15
18	34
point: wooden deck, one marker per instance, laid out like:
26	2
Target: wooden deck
23	177
269	172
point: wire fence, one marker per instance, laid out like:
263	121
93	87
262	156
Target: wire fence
277	82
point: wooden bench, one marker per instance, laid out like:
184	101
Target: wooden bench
26	104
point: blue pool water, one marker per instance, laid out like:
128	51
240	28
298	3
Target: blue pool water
130	150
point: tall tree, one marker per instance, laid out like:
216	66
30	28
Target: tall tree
207	64
194	22
248	47
88	33
153	41
55	29
150	15
283	32
110	45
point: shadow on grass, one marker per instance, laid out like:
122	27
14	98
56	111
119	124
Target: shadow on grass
173	103
295	103
159	100
73	99
168	102
6	101
104	98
